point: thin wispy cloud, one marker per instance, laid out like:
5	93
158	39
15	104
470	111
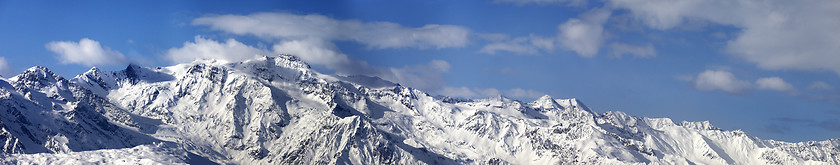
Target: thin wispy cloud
466	92
373	34
521	45
5	69
324	53
783	124
777	84
545	2
86	52
820	85
640	51
725	81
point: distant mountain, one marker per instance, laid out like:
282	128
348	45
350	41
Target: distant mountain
276	110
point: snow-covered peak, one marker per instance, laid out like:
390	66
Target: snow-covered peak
545	103
100	81
282	60
574	103
93	73
277	110
497	98
133	71
37	75
39	83
290	61
700	125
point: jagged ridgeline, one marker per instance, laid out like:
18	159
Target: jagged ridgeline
276	110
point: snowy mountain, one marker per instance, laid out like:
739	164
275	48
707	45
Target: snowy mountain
276	110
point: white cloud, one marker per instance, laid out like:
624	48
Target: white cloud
5	69
585	35
373	34
311	38
515	46
315	52
640	51
774	34
458	92
323	53
521	45
523	93
775	83
820	85
423	76
487	92
202	48
319	52
86	52
495	37
718	80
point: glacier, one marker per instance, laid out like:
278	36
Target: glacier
277	110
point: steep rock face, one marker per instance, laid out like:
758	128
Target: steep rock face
276	110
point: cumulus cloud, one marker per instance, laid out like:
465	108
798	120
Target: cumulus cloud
820	85
640	51
774	34
775	83
86	52
202	48
5	69
718	80
466	92
585	35
373	34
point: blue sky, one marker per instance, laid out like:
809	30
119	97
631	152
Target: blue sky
767	67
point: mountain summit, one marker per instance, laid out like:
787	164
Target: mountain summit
277	110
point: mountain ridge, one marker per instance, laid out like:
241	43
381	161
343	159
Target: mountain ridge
276	109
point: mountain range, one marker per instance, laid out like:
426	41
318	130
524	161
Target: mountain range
277	110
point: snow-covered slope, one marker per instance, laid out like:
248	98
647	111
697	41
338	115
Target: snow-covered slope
43	112
276	110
